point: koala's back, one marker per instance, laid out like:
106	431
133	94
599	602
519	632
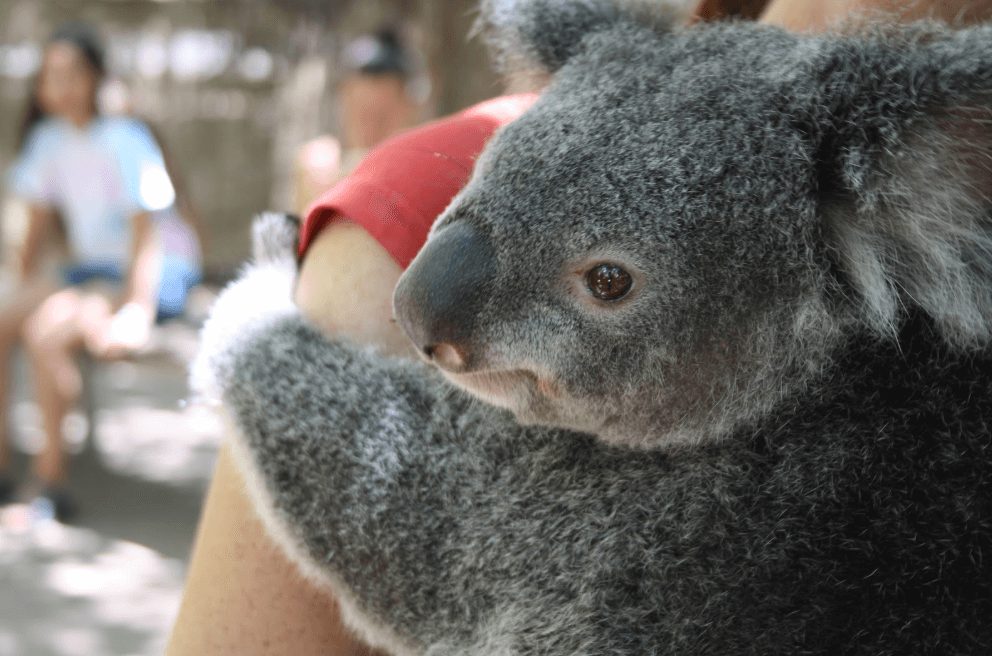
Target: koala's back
857	519
859	524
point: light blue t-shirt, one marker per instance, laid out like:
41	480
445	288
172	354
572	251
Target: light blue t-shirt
98	178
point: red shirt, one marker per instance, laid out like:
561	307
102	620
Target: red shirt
402	185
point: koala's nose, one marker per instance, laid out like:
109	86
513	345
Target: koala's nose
438	299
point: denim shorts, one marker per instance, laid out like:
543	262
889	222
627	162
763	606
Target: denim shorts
178	277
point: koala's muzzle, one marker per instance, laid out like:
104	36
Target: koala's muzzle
439	298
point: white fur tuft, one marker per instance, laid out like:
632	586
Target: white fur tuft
923	238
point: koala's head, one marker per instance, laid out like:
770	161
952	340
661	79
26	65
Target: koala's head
690	223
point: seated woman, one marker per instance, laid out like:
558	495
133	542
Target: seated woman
104	182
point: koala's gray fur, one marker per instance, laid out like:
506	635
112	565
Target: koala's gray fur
781	440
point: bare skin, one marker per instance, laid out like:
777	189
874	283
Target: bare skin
346	288
31	290
373	108
819	15
243	596
28	296
219	612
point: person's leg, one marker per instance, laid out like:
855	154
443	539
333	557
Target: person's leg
10	324
10	327
52	335
12	316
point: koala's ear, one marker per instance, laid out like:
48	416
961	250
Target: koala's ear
529	35
907	198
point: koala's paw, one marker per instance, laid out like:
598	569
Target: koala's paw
274	237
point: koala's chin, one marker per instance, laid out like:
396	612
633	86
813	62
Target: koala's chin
516	390
539	401
534	400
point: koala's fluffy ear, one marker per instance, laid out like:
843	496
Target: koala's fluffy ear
908	192
541	35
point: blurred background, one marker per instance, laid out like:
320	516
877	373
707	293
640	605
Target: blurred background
257	105
236	86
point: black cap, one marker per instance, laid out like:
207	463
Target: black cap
378	54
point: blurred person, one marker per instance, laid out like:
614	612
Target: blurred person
115	99
374	103
316	167
374	97
102	183
351	258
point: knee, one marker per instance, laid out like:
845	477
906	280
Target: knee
33	335
39	339
50	357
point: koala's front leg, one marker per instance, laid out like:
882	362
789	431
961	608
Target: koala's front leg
380	480
349	458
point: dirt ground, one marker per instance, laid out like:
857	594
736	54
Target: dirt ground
110	583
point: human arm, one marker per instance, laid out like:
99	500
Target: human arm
143	277
345	286
348	274
41	223
818	15
187	209
243	595
129	327
31	180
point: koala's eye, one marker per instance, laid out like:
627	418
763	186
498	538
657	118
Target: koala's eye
608	282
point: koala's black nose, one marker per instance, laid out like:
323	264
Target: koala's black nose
438	300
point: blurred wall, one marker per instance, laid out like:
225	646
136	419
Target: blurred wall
234	86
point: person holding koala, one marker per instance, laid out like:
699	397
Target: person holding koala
370	227
802	536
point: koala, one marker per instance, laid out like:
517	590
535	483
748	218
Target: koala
707	360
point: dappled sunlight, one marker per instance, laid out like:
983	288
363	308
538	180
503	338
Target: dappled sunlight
169	446
109	593
142	424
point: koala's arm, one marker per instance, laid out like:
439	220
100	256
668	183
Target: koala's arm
345	452
344	286
355	465
440	524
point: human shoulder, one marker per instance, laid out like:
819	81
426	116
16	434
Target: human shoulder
125	129
30	175
345	287
43	137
